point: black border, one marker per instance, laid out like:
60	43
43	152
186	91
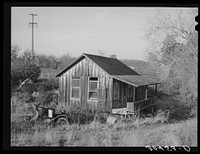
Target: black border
6	68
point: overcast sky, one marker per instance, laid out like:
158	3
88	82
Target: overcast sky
112	30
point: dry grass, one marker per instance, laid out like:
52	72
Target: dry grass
122	134
154	130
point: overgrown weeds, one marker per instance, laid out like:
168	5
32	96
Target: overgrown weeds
98	134
168	126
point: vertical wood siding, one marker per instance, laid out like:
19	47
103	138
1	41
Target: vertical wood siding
84	69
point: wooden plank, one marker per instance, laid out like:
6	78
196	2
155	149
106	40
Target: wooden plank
145	103
66	85
83	92
126	95
84	67
78	69
122	91
119	111
63	84
96	69
87	67
86	90
90	68
77	73
110	93
93	69
106	87
99	78
81	67
60	89
74	70
67	89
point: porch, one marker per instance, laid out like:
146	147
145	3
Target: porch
135	108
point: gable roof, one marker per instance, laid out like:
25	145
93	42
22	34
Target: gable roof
111	65
117	70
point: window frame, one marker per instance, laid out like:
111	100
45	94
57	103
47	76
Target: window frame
75	87
96	91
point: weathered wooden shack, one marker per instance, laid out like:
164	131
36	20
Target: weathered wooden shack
104	84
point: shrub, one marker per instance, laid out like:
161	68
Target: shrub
29	88
80	117
48	98
47	84
30	70
21	70
16	72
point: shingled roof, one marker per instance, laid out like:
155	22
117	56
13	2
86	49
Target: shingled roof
117	70
111	65
137	81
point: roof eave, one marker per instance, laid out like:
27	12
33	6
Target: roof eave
125	81
135	85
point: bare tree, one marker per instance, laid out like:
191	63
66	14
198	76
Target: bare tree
173	47
27	55
54	61
113	56
15	52
101	53
179	23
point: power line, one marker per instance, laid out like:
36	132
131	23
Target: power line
33	24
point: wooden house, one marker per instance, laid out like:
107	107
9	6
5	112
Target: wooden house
103	84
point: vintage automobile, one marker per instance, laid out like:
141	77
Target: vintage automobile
50	116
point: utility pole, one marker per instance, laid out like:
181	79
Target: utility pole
32	24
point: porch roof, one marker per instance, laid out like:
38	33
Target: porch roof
138	80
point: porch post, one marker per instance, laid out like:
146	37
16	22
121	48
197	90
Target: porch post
146	90
133	94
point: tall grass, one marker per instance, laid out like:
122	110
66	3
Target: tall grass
183	133
159	129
